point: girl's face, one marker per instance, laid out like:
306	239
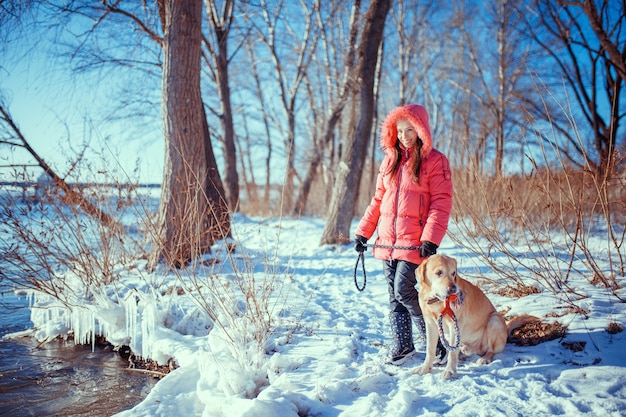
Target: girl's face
406	134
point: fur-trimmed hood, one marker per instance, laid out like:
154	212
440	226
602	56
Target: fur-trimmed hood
417	116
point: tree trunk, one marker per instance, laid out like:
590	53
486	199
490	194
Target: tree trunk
231	179
346	187
192	212
335	113
221	26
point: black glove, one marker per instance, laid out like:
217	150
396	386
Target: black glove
360	243
428	249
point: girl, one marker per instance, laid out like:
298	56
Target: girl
410	208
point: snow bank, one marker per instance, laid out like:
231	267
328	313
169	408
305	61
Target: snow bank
325	355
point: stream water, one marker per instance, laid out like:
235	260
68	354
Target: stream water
59	378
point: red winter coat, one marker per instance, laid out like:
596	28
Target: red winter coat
406	212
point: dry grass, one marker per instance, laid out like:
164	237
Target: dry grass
550	198
518	291
614	328
540	227
532	334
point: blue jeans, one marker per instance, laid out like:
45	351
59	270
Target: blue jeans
401	285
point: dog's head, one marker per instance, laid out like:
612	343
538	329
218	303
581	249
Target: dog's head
438	277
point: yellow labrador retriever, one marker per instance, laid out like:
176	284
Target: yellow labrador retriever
481	329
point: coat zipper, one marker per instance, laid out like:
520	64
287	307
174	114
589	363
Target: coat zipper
395	219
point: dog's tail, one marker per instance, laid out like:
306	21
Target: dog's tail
519	321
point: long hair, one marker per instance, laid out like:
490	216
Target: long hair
415	160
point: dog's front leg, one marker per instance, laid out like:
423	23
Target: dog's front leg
453	356
453	360
432	336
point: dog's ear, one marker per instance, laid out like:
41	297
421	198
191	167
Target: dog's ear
421	272
453	262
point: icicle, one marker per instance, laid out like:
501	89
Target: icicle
131	310
83	324
92	329
147	327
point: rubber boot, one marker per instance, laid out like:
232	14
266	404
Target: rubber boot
421	326
402	331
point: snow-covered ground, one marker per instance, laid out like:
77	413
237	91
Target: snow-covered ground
326	353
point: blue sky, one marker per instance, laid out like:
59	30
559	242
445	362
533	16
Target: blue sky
58	111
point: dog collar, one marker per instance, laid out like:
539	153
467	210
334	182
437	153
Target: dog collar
457	299
433	300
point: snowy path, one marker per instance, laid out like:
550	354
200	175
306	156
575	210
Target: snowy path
347	373
522	381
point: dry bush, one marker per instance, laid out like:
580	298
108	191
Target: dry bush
319	196
244	293
537	230
253	201
46	240
518	291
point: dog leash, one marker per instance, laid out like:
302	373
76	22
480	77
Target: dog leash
457	300
356	284
361	257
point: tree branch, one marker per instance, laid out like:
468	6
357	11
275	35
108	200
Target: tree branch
72	195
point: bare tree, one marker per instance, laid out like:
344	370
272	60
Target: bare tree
221	22
345	190
338	96
413	50
265	119
11	12
11	135
493	69
290	44
465	128
606	20
416	65
192	212
586	41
